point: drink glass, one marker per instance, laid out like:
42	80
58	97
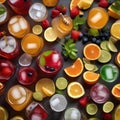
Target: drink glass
18	97
20	6
62	25
99	93
32	44
9	47
50	62
35	111
3	14
38	12
18	26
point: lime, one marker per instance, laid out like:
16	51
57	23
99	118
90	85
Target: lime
61	83
37	29
50	35
17	118
89	67
104	45
38	96
111	45
3	114
85	60
95	68
94	118
91	108
105	56
108	107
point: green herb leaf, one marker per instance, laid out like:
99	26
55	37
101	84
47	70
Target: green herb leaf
2	10
116	6
93	32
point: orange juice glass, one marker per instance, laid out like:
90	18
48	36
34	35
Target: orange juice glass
18	26
62	25
97	18
32	44
18	97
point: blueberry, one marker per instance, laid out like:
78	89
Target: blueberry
65	58
85	40
81	36
94	39
98	41
52	69
106	35
47	67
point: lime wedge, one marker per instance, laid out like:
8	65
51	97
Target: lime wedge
104	45
3	114
108	107
93	118
61	83
111	45
105	56
85	60
91	108
95	68
89	67
38	96
37	29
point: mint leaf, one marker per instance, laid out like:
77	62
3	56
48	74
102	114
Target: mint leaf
116	6
93	32
47	53
78	21
42	61
2	10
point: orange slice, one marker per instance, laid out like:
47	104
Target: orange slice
117	59
117	113
75	69
116	91
90	77
92	51
2	1
45	86
75	90
74	3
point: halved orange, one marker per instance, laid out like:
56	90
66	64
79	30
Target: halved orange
74	3
90	77
117	113
2	1
75	69
117	59
75	90
92	51
116	91
45	86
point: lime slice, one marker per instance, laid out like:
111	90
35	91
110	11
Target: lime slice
17	118
37	29
61	83
104	45
91	109
108	107
111	45
89	67
50	35
95	68
93	118
3	114
38	96
105	56
85	60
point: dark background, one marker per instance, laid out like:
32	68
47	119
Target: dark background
54	115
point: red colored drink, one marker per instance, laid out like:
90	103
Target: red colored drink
20	6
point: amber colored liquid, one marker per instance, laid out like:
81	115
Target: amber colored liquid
61	27
50	3
18	26
32	44
19	97
97	18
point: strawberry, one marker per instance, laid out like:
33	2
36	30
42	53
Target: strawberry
107	116
6	71
76	35
103	3
83	101
55	13
61	8
45	24
74	12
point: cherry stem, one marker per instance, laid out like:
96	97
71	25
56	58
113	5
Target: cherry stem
64	19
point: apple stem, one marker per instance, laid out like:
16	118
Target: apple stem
66	21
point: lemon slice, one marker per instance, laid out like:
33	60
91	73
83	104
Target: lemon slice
104	45
105	56
108	107
3	114
91	109
17	118
37	29
50	35
61	83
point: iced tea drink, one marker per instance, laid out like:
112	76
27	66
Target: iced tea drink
32	44
18	97
97	18
18	26
62	25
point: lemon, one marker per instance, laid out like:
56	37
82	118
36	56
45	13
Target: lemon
50	35
61	83
91	108
108	107
3	114
37	29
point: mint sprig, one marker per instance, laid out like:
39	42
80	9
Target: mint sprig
93	32
2	10
69	49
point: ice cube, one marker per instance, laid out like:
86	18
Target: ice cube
36	117
55	58
22	91
8	49
102	94
13	20
13	1
36	7
22	23
55	102
16	93
16	27
2	43
96	17
38	14
109	73
21	100
74	115
100	87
